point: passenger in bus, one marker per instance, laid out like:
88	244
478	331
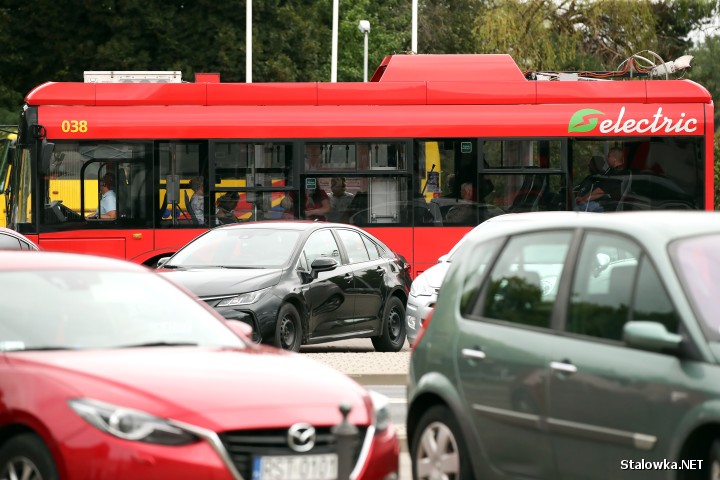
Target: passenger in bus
597	192
464	211
317	204
225	205
197	201
339	201
108	202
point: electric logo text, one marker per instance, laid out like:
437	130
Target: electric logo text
588	119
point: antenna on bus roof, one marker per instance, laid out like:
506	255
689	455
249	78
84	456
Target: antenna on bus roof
113	76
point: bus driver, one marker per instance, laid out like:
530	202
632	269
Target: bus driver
108	202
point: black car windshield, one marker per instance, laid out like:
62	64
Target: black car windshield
87	309
697	261
238	248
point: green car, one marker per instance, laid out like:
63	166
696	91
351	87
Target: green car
573	346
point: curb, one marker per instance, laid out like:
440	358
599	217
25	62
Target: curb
366	379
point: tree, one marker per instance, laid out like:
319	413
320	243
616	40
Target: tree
705	69
586	34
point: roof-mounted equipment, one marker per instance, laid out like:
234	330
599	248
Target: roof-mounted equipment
634	66
113	76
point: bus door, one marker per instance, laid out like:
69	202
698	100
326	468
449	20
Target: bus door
181	205
7	149
99	200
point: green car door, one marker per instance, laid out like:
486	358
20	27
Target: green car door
504	346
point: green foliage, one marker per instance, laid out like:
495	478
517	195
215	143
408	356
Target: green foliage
706	70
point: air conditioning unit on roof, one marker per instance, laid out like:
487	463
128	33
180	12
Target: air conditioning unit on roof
132	77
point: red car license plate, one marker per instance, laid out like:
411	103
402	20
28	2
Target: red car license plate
296	467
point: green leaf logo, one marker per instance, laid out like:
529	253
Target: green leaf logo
578	123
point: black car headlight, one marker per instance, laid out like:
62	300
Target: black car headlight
243	298
130	424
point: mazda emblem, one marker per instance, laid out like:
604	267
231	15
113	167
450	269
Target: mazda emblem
301	437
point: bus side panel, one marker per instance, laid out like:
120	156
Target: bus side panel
431	243
170	241
709	155
108	243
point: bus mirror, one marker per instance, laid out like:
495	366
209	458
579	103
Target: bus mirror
46	154
39	132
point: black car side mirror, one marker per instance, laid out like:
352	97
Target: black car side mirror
322	264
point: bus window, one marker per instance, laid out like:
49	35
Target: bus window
73	191
355	156
665	172
179	164
251	181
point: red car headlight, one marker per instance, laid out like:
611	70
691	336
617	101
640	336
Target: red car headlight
130	424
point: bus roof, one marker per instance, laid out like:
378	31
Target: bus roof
400	80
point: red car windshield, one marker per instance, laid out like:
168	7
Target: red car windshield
85	309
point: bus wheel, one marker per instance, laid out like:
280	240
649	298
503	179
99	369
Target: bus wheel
288	329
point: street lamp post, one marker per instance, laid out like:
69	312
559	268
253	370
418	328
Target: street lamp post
364	27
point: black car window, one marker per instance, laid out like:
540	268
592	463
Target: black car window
320	244
602	287
354	246
523	282
8	242
372	249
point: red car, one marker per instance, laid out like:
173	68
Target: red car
109	371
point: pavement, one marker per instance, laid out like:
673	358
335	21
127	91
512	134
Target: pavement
359	360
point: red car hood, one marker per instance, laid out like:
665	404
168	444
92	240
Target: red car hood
214	388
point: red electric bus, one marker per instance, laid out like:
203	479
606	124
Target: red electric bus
428	134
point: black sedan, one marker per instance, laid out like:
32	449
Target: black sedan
298	283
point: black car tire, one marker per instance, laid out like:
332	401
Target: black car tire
439	420
392	337
288	329
26	456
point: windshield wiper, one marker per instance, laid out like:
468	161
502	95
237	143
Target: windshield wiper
37	349
234	267
161	344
